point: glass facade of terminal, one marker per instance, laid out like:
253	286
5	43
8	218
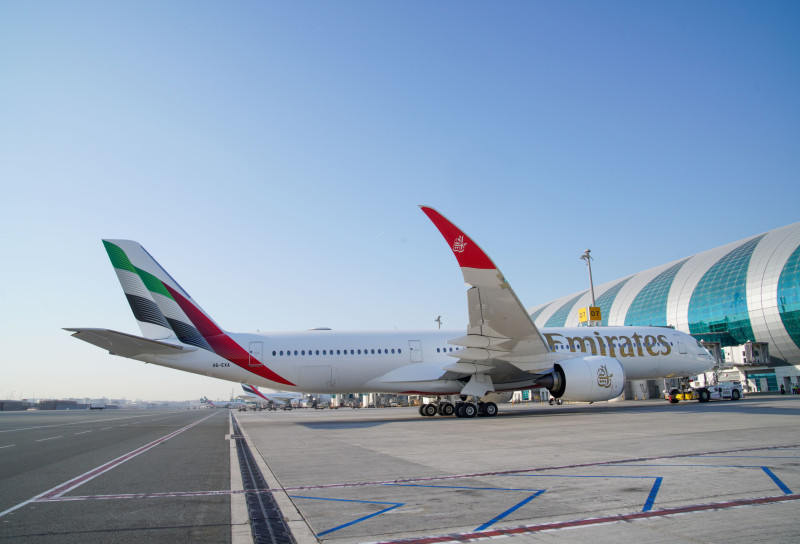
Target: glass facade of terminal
789	296
560	317
718	307
605	301
649	307
748	291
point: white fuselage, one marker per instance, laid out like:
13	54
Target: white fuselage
325	361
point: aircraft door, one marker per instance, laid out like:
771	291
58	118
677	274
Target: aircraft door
256	349
681	345
415	351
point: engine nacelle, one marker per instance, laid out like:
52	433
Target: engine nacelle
588	379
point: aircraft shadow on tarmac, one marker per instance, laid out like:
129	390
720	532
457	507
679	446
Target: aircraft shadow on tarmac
752	405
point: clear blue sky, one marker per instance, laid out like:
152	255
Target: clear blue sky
271	156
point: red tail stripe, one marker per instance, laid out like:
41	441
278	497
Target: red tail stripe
222	344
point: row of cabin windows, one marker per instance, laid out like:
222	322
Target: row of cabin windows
445	350
309	352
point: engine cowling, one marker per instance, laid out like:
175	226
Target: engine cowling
588	379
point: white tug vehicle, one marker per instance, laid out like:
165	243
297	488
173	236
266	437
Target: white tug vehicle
725	390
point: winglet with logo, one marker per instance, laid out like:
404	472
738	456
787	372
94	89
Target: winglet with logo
499	327
467	252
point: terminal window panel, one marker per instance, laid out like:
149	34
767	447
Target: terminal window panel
789	296
559	318
649	307
718	307
606	300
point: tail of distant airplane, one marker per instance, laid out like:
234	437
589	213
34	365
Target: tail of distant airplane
253	390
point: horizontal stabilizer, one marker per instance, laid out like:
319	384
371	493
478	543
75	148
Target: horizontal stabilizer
127	345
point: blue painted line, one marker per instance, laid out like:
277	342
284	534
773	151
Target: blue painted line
766	470
359	520
652	497
463	487
509	511
777	481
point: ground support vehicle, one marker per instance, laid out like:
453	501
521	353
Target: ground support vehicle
720	391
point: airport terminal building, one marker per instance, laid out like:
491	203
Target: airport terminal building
742	300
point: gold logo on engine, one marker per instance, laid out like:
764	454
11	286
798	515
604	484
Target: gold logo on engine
603	377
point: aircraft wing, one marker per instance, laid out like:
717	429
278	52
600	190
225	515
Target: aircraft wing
127	345
499	327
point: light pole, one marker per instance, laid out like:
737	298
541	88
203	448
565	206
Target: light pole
588	258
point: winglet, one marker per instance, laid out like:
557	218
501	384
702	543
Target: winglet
466	251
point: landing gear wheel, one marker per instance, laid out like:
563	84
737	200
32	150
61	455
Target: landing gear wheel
489	409
460	409
422	409
429	410
470	410
446	409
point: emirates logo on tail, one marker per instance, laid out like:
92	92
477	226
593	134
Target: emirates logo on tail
459	245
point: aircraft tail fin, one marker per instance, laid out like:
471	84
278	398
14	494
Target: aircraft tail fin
161	306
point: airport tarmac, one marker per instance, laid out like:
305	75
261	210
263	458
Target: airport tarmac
114	476
643	470
609	472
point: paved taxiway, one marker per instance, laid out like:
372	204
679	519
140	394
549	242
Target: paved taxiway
60	470
646	470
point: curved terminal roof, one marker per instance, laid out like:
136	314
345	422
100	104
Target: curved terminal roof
746	291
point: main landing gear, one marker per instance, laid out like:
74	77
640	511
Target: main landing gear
459	409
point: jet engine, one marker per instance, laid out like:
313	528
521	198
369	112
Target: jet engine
586	379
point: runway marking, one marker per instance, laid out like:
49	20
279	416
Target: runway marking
69	485
51	438
557	525
9	446
82	432
86	422
539	469
359	520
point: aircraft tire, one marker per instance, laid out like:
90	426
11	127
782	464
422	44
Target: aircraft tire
446	409
460	409
429	410
489	409
470	410
422	409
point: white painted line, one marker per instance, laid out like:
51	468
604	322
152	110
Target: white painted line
51	438
69	485
9	446
85	422
82	432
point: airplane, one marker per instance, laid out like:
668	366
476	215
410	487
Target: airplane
501	350
230	404
253	394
